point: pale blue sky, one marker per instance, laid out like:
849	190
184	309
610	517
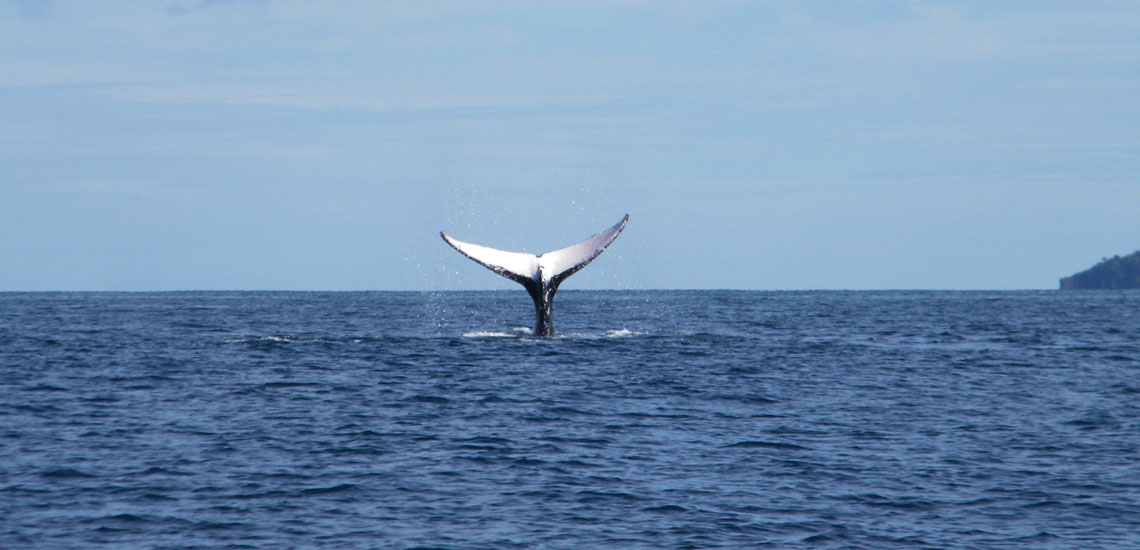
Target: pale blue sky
287	144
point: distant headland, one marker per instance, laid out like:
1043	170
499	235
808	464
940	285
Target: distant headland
1114	272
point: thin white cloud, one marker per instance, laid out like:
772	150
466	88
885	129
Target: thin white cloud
1095	84
183	7
940	33
106	187
318	96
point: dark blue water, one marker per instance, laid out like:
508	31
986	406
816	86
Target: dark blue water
658	419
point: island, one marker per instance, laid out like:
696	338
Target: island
1115	272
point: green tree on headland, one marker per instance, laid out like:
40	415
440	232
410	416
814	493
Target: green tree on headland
1114	272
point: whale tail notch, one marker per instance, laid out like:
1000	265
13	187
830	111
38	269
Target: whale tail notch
540	274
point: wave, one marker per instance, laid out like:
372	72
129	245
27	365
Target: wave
523	332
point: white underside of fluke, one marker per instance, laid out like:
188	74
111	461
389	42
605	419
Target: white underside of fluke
556	264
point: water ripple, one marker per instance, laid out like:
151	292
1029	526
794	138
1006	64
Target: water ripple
670	419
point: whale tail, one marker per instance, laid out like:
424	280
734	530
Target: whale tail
541	274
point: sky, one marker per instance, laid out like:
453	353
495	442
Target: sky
769	145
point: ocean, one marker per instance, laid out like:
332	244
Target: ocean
656	419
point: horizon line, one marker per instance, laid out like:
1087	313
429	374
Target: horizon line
421	291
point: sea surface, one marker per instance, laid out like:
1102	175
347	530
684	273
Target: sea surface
656	419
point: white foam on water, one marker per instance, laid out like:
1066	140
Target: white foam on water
513	333
251	340
614	333
619	333
519	332
487	334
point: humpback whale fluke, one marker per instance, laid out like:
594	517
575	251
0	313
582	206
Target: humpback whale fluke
541	274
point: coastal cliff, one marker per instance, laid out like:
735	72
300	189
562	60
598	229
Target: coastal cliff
1114	272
